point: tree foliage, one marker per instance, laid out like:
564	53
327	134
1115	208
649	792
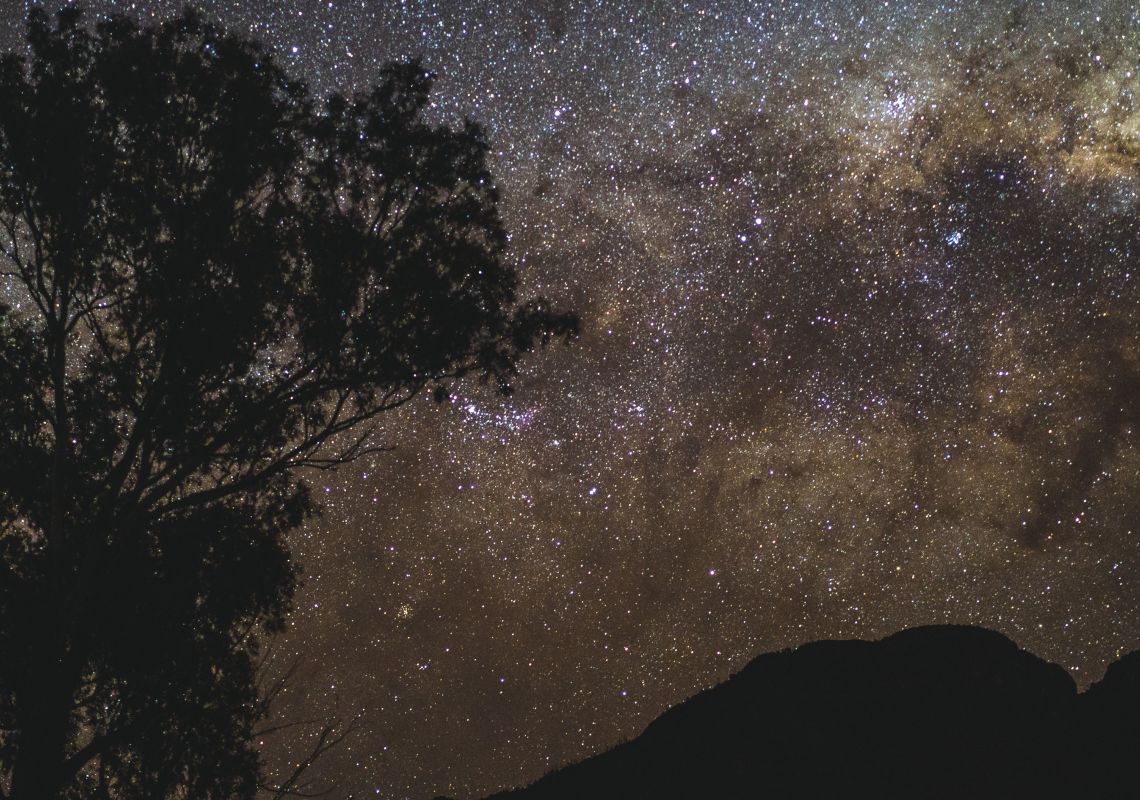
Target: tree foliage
214	281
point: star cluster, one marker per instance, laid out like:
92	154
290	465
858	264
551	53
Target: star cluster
858	286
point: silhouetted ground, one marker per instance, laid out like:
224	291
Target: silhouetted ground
941	711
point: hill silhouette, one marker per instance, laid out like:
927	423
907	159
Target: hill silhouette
943	711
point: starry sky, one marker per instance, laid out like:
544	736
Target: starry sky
858	288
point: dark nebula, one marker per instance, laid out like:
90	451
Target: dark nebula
861	351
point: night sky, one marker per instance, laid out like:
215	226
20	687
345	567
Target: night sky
860	350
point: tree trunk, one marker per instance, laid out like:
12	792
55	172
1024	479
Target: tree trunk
46	692
45	727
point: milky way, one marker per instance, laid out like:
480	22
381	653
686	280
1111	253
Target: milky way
858	288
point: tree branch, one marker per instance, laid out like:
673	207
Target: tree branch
328	738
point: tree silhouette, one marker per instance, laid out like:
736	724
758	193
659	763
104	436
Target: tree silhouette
214	281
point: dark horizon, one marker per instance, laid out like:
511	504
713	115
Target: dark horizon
858	295
936	711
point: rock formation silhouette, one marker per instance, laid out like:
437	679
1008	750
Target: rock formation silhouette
931	712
